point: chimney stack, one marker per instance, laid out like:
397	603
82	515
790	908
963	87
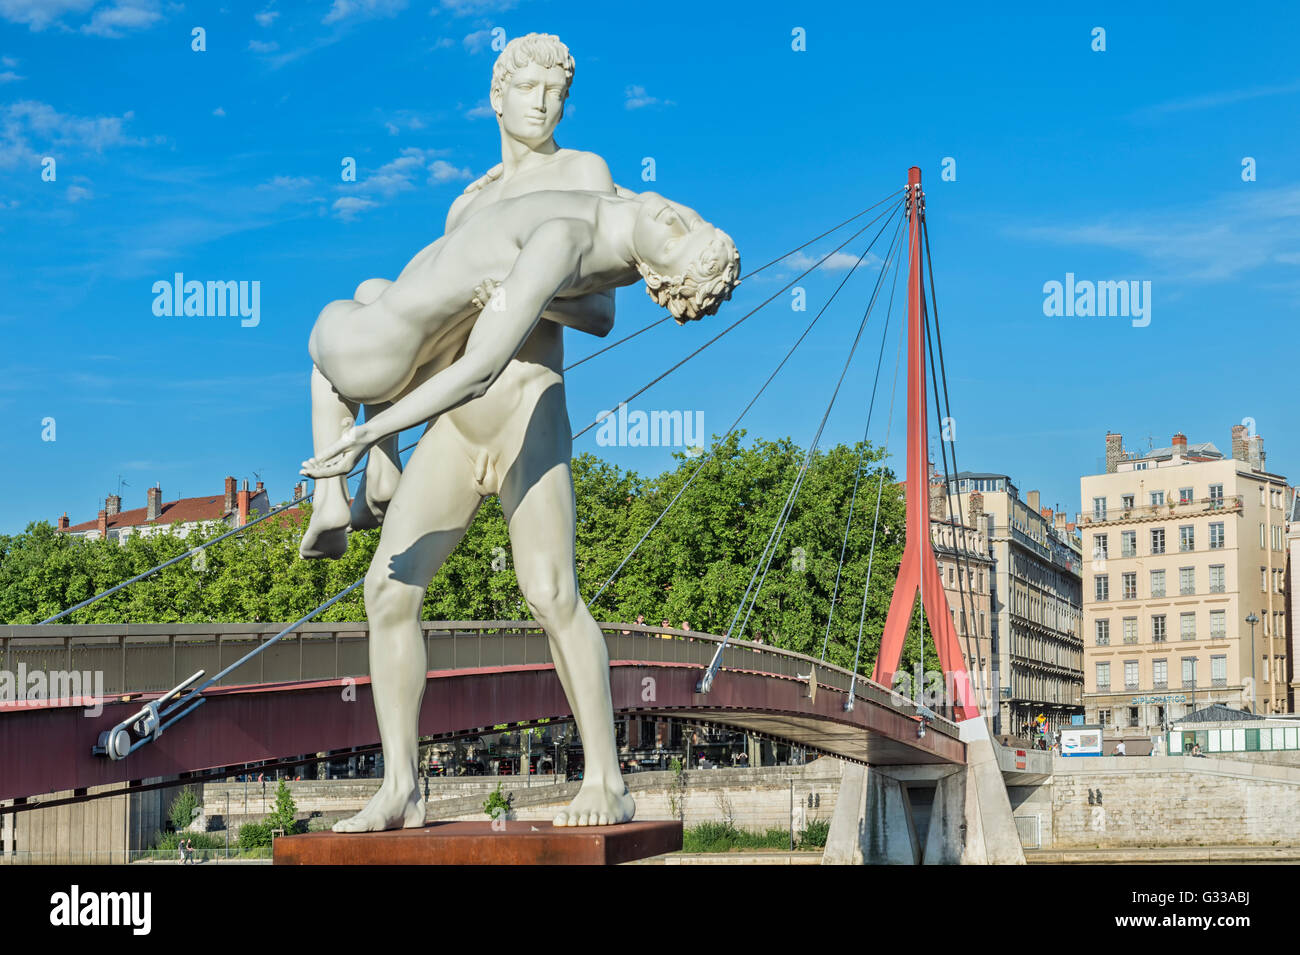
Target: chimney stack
259	489
1047	514
1239	442
113	504
243	505
1180	444
299	490
938	500
975	507
1255	452
63	521
230	495
153	504
1032	500
1114	451
1059	522
103	524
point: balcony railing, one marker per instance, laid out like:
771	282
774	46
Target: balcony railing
1219	681
1147	512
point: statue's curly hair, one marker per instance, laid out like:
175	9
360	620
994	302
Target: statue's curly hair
544	49
707	283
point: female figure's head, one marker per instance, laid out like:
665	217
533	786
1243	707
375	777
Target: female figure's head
690	267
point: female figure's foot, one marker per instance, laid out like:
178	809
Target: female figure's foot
387	809
327	534
598	805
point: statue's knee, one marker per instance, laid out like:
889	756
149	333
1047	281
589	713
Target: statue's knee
389	600
554	600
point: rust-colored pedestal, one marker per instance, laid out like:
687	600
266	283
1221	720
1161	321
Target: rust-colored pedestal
478	843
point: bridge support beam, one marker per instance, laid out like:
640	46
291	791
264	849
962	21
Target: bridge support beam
926	814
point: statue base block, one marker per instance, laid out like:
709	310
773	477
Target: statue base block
520	842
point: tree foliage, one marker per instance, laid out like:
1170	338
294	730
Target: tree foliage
694	567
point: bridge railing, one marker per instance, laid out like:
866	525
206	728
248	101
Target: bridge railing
142	658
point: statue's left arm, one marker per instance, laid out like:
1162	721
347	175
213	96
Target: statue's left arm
545	266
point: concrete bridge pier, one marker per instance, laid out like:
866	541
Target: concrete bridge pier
931	814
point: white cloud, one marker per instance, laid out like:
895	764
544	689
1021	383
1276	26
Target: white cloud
9	76
835	262
38	14
393	128
468	8
1215	240
443	42
218	112
283	183
77	193
635	98
477	41
266	17
28	120
1213	100
363	10
442	171
111	20
8	61
348	207
263	46
480	111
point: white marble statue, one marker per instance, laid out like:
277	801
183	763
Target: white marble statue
469	336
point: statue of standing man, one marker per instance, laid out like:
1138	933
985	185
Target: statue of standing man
512	440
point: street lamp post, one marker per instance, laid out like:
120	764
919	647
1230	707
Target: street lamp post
1254	699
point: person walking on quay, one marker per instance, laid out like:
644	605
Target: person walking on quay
1121	749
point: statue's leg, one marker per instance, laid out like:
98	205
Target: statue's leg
331	415
435	502
537	497
378	481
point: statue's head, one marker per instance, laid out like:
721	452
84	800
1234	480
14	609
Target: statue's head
530	82
690	267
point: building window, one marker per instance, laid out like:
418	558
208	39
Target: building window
1130	629
1184	495
1186	580
1189	671
1103	676
1126	502
1218	671
1187	626
1261	536
1216	536
949	576
1263	580
1187	537
1102	584
1160	674
1103	717
1158	631
1130	674
1216	495
1100	546
1130	584
1157	583
1158	540
1157	498
1103	633
1216	578
1218	624
1128	543
1098	508
1133	713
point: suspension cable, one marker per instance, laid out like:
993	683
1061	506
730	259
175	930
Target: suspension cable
857	472
816	442
718	444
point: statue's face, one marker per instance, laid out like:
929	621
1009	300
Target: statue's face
531	103
668	237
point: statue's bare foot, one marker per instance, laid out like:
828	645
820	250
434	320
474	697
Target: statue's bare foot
597	805
387	809
327	534
378	485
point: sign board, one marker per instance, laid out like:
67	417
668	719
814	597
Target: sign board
1076	719
1081	741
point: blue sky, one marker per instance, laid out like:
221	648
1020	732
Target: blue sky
225	165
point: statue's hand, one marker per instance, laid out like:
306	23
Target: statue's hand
483	293
340	457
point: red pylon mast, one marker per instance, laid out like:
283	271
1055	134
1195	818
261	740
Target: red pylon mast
919	569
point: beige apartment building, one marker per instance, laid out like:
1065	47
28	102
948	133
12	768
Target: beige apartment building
1185	547
1292	603
1035	603
966	569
